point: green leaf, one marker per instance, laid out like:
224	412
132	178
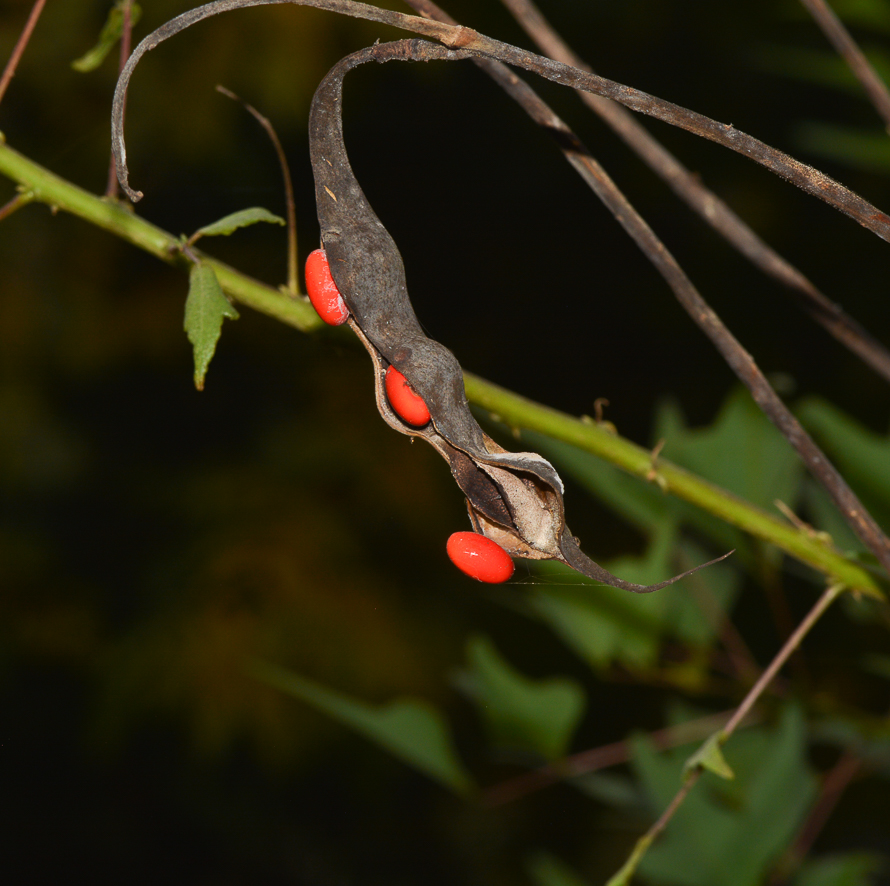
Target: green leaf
852	869
205	309
735	830
241	219
410	729
857	147
742	451
605	625
710	757
862	455
545	869
110	34
537	716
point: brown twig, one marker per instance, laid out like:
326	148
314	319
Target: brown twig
689	188
836	781
740	656
847	48
293	285
111	189
829	595
742	711
735	355
19	48
470	43
467	40
594	759
17	202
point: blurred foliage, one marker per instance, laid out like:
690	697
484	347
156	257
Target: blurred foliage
154	541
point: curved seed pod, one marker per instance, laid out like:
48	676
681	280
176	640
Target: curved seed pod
515	499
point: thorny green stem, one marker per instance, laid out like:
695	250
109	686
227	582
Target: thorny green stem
45	187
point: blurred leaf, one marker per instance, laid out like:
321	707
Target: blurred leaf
609	788
861	454
823	514
539	716
866	149
606	625
852	869
733	830
241	219
410	729
742	451
545	869
821	67
710	757
205	308
874	14
110	34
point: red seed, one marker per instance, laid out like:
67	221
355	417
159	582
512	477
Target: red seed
322	290
479	557
405	401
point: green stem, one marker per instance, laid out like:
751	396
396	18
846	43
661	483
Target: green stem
514	410
43	186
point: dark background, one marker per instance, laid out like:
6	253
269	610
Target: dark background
153	536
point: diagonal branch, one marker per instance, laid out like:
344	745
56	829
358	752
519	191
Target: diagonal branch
847	48
19	48
41	185
456	37
470	43
689	188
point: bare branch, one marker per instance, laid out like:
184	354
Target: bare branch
292	280
847	48
456	37
689	188
19	48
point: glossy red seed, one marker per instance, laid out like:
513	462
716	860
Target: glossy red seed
479	557
322	290
406	403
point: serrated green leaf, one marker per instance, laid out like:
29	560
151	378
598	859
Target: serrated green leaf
205	309
735	830
241	219
545	869
710	757
742	451
111	32
536	716
410	729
